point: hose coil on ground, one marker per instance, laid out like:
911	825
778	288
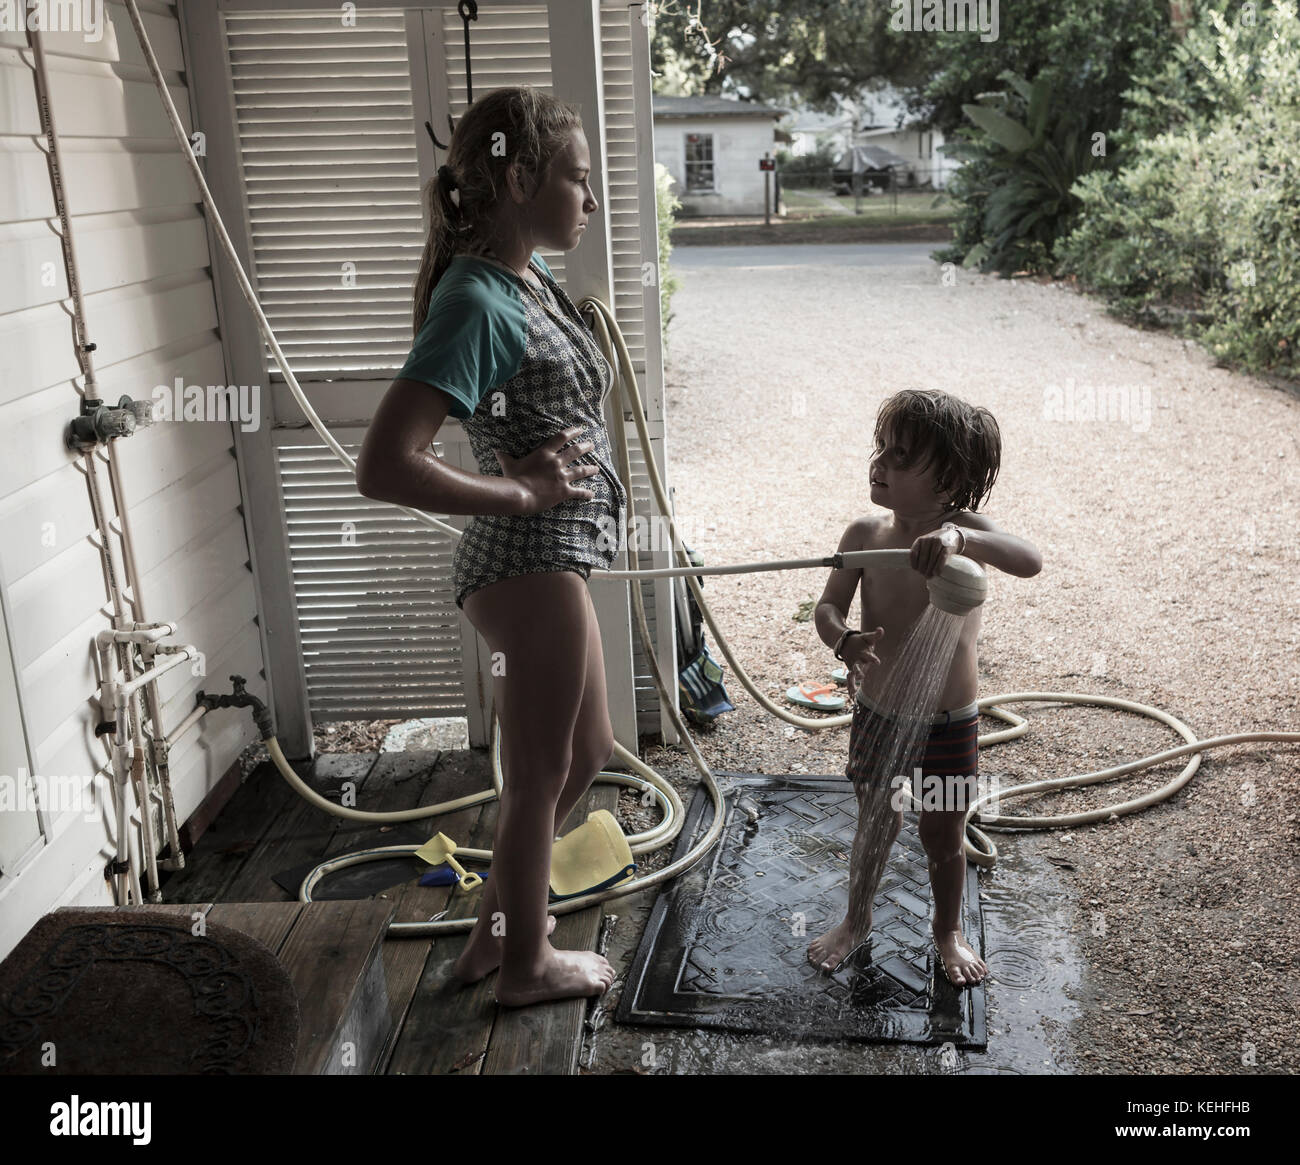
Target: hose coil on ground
643	778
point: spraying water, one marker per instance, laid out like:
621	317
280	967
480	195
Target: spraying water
907	697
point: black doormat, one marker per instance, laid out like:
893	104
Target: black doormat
89	992
725	946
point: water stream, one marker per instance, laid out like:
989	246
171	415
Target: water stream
908	698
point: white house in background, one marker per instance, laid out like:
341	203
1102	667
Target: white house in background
884	121
809	130
711	146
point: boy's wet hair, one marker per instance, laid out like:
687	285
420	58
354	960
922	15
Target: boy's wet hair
534	127
962	441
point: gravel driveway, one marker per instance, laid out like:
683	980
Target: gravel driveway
1169	536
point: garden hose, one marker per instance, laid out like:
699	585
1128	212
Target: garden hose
606	329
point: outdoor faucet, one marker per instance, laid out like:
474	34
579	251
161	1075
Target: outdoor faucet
241	699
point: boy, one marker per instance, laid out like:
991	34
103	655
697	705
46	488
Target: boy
936	458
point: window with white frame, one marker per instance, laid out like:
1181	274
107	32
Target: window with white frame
699	163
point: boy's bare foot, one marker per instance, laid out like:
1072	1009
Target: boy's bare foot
962	965
563	975
482	958
829	951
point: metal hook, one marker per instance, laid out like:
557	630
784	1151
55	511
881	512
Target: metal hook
468	10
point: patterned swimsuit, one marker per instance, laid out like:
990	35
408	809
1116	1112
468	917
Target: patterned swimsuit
548	374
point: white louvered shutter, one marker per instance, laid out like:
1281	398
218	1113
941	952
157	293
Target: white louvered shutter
628	217
376	613
325	123
325	126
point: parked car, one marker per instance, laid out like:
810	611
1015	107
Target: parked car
876	165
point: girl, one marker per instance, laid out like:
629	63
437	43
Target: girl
502	348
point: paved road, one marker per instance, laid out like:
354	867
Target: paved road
812	255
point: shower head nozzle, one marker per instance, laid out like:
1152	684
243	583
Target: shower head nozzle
959	587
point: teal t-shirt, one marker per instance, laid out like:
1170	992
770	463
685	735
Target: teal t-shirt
474	334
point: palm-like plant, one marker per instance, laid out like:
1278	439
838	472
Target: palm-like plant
1028	169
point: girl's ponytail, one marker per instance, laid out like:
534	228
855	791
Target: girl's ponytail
533	127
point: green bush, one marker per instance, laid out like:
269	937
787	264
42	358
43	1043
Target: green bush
1204	217
1138	240
807	171
1088	53
666	206
1015	192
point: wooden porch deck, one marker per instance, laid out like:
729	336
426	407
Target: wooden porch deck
396	1011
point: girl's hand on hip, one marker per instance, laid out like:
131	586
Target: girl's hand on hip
549	474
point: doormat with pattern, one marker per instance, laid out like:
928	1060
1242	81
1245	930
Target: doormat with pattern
96	992
726	944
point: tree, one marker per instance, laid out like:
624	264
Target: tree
818	53
813	53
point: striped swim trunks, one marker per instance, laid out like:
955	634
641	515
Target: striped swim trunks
952	748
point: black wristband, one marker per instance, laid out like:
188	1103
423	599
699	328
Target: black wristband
839	643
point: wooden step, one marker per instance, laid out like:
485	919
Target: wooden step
331	951
433	1029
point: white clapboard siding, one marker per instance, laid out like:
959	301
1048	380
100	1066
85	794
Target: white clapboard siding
112	250
208	606
151	175
182	515
332	184
242	655
376	612
150	308
20	828
118	42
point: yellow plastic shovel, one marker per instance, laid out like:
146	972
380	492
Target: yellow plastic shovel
438	850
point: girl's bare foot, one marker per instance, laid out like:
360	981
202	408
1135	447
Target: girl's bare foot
829	951
482	958
963	966
562	975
